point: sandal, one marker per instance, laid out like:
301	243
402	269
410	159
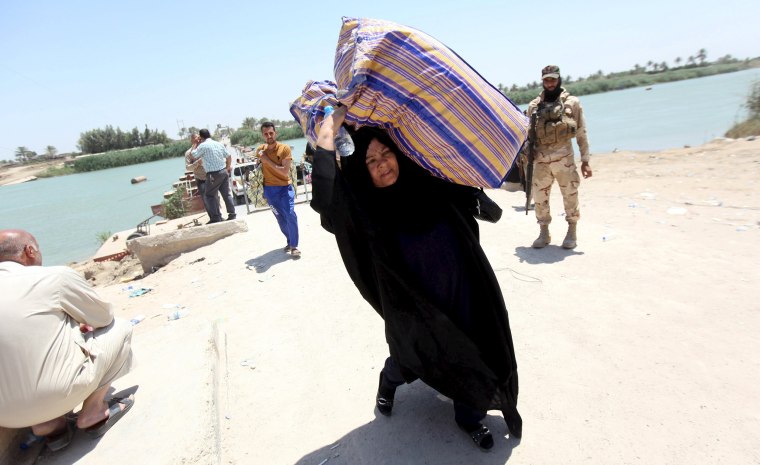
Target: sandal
115	412
384	399
480	435
59	441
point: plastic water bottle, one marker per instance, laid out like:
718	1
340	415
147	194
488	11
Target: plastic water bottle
177	314
31	439
344	145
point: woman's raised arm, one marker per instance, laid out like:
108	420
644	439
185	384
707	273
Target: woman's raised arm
329	127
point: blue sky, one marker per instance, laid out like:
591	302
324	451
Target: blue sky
68	67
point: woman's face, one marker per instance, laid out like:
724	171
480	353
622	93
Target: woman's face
381	164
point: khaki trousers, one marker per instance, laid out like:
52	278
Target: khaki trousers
560	166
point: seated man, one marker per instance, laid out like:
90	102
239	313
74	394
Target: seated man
59	346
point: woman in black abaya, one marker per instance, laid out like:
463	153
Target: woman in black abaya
410	244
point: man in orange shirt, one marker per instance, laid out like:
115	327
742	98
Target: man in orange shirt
278	189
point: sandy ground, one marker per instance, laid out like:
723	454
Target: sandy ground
638	347
12	174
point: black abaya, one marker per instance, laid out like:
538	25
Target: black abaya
413	251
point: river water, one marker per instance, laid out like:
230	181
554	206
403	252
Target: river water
67	213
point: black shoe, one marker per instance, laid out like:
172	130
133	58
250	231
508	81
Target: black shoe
231	217
214	221
479	434
384	399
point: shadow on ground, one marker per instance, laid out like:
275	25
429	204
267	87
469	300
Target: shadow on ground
262	263
549	254
420	430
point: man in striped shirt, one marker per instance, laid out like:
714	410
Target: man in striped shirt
218	165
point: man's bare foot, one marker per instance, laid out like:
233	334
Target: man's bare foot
95	416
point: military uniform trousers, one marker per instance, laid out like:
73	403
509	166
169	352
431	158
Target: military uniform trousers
556	164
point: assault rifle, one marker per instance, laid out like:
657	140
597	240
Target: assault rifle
530	157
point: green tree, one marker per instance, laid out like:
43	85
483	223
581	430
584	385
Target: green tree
21	153
249	123
678	61
134	138
108	138
51	151
702	56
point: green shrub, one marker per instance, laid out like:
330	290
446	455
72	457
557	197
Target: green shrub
174	206
753	101
290	132
246	137
619	81
56	171
751	126
103	236
250	137
130	156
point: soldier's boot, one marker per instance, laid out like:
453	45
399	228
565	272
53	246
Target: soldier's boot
543	237
570	241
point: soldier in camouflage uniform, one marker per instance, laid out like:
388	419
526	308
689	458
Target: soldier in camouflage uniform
559	119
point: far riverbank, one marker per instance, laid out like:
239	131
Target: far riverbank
68	213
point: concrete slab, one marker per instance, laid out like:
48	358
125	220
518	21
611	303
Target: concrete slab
157	250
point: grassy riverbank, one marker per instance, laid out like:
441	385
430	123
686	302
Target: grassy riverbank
600	83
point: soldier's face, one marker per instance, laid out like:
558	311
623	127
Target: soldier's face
550	83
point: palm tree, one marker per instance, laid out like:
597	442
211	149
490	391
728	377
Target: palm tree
702	56
51	151
650	63
678	61
249	123
21	153
690	60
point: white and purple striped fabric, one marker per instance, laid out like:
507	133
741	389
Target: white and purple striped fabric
435	107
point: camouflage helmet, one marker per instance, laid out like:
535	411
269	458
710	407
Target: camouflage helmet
551	71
